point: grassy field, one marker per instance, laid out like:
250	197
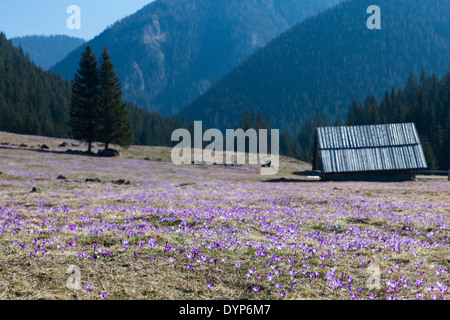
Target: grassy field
139	227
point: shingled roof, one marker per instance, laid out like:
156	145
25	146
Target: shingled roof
368	148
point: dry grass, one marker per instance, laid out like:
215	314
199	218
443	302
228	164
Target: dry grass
234	201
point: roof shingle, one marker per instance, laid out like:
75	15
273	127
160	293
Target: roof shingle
370	148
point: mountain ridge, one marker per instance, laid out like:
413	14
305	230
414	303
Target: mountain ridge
46	51
329	59
170	52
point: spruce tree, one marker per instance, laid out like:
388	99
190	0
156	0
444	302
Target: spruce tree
114	126
84	111
446	143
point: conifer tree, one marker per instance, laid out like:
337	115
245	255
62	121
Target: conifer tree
246	121
84	111
446	143
114	126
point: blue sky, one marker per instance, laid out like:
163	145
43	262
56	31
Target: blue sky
46	17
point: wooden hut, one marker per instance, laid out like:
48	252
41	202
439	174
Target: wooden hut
390	152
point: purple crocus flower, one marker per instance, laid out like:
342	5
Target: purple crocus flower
443	289
419	282
353	295
293	283
88	287
335	283
292	272
270	277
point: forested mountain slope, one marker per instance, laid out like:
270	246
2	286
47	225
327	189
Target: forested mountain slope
32	101
326	61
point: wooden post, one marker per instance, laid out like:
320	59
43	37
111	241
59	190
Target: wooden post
448	174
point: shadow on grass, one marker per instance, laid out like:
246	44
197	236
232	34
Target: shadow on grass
62	152
306	173
284	180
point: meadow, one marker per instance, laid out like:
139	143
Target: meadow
139	227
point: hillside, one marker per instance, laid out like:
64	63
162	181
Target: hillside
32	101
46	51
326	61
170	52
211	232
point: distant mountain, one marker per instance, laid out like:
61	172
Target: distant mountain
327	60
32	101
170	52
46	51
